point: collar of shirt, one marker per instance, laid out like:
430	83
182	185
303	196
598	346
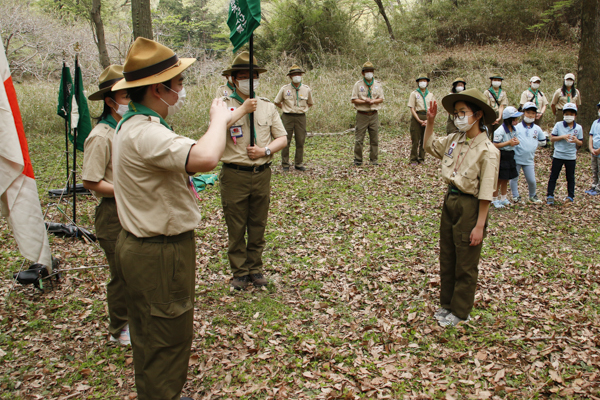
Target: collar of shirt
138	109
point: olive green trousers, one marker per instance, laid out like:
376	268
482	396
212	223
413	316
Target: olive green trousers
363	123
417	134
294	124
458	260
159	275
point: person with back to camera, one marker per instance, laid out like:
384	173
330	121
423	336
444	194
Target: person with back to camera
470	169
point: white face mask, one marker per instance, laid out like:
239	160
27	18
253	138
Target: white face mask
244	85
568	119
459	89
569	83
496	84
174	109
369	75
528	120
463	123
296	79
121	108
422	85
535	86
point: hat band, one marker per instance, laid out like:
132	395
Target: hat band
243	66
108	83
151	70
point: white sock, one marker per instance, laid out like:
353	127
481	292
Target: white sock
494	199
503	197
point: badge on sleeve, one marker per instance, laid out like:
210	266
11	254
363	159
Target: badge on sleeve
232	109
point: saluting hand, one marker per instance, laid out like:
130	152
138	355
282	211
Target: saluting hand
219	110
431	112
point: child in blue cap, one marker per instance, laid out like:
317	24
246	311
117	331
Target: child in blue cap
505	139
595	151
567	137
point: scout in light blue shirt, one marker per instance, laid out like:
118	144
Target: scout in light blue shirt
505	139
563	148
567	137
595	151
531	136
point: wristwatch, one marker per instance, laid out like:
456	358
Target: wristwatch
267	151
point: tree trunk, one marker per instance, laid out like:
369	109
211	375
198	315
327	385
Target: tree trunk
387	21
589	66
141	18
98	31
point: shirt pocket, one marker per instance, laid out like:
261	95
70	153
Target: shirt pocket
263	131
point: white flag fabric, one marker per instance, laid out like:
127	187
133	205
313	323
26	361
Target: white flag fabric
19	199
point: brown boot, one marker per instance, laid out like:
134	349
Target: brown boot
258	280
240	282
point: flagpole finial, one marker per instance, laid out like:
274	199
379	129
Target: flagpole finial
76	47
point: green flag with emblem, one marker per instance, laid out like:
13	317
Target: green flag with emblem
80	113
244	18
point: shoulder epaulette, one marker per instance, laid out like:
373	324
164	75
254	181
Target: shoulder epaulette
264	99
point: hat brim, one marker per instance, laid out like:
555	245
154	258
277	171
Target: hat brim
515	115
158	78
497	77
231	70
448	101
421	78
530	108
295	71
100	94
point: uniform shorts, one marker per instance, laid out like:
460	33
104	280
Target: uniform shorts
508	165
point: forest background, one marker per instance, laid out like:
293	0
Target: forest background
352	253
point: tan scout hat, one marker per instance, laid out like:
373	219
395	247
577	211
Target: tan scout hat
422	76
242	63
149	62
459	80
295	69
225	73
368	66
111	75
472	96
497	76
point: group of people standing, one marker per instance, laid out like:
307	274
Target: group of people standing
145	221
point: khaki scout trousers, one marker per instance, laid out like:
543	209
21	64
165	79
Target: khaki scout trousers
245	196
363	123
108	228
294	123
159	275
417	134
458	261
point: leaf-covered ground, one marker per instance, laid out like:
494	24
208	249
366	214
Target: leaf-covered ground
352	254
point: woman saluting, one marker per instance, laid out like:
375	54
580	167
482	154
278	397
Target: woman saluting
470	169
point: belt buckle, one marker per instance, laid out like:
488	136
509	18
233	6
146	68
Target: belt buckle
255	169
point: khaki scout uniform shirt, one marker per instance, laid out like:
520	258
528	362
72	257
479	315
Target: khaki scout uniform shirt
476	168
223	91
97	156
503	99
292	104
559	100
151	184
415	100
267	126
528	96
360	91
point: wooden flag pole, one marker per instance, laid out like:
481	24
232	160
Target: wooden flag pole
251	116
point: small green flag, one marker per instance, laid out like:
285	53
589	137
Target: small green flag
244	18
80	113
65	94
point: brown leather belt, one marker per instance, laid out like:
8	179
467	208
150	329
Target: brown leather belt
248	168
367	112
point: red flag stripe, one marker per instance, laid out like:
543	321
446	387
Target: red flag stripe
11	94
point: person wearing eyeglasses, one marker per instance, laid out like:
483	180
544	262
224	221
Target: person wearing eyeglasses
470	169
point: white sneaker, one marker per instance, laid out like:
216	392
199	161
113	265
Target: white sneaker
505	202
441	314
497	204
123	339
452	320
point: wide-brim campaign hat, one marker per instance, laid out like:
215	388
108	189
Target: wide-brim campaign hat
535	79
472	96
242	63
108	78
368	66
149	62
459	80
294	69
225	73
497	76
422	76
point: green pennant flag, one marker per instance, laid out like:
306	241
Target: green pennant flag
80	113
244	18
65	95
